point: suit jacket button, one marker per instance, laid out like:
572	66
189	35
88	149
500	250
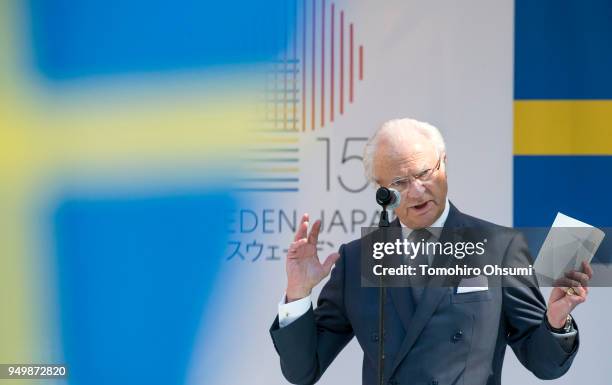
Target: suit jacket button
458	336
434	382
375	337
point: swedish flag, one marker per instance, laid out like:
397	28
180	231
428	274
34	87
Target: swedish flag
562	111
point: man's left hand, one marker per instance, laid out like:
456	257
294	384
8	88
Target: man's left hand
570	291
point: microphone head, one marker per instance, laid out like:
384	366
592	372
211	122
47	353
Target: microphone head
397	198
388	197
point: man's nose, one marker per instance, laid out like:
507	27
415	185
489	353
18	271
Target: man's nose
416	190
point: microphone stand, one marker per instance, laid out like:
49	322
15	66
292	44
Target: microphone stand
383	224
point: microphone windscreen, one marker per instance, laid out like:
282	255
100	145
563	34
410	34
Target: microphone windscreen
395	202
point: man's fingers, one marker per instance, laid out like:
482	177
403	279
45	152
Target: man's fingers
575	295
578	276
587	269
294	246
579	297
330	261
579	291
313	237
302	229
565	282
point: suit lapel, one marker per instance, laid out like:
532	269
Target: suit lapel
415	320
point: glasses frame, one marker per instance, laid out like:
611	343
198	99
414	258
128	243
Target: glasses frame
423	177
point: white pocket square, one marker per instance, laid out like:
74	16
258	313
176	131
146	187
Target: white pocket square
470	285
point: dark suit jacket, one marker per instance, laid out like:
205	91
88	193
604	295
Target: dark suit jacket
447	338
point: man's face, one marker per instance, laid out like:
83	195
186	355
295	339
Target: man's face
422	202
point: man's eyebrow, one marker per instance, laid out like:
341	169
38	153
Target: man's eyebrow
422	169
396	178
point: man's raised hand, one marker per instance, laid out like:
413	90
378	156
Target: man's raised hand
304	270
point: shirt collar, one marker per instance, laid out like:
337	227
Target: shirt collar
436	227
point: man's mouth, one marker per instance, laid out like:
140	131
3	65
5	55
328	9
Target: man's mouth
420	206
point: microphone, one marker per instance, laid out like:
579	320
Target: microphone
388	198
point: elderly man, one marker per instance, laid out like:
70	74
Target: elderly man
441	336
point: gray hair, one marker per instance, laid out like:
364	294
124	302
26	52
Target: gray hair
399	127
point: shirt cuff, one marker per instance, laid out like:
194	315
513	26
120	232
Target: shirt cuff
289	312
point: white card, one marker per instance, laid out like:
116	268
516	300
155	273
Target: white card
568	243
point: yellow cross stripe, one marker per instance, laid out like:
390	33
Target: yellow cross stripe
21	330
563	127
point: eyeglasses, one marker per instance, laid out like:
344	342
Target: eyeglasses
403	183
